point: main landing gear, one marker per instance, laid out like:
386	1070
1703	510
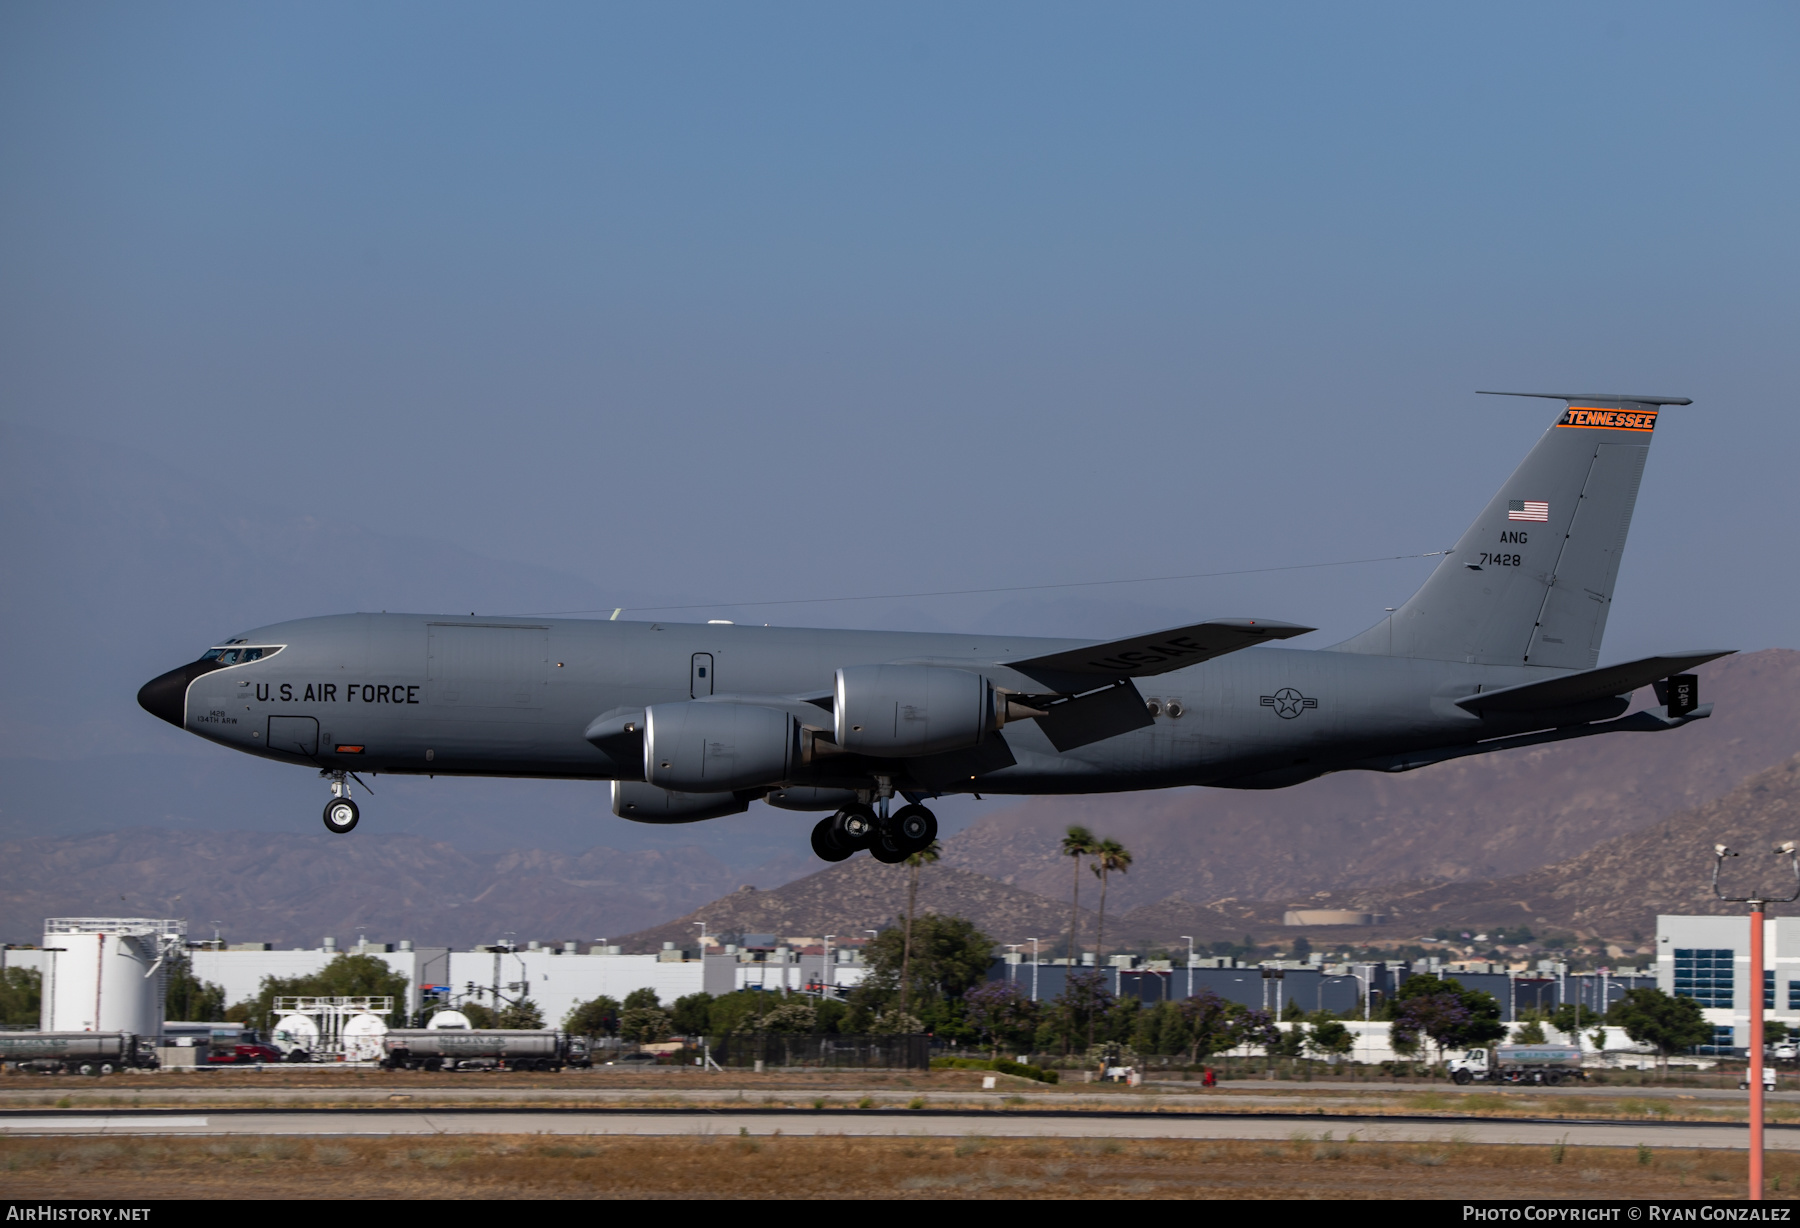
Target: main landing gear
890	839
341	813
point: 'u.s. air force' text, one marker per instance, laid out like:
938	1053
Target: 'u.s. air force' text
327	693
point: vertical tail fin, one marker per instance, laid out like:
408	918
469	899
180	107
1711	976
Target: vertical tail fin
1531	580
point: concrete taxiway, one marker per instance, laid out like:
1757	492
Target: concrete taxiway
893	1123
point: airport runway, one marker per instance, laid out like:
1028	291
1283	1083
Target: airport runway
889	1123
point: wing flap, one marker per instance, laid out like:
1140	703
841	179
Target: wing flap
1095	717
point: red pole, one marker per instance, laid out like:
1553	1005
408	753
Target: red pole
1756	1051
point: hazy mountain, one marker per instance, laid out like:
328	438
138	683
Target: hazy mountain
862	894
1616	890
294	889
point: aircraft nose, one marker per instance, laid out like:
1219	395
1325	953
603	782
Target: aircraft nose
165	696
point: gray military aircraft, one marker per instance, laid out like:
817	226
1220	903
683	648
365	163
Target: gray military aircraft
1497	650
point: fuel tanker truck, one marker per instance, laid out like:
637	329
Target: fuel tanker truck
1552	1064
481	1049
95	1053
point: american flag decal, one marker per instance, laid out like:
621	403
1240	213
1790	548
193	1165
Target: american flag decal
1527	509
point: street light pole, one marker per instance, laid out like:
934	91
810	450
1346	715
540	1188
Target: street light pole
1190	940
1034	968
1755	1073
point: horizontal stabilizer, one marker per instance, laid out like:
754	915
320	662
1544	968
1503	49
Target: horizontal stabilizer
1588	685
1140	656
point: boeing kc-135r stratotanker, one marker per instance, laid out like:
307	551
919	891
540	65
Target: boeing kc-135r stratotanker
1497	650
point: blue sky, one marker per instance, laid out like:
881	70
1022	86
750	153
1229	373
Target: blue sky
715	303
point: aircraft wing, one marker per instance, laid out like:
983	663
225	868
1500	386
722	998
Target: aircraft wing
1140	656
1588	685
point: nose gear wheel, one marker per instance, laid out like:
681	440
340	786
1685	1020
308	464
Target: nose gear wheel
341	816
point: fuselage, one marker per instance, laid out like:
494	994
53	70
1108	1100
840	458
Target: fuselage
497	696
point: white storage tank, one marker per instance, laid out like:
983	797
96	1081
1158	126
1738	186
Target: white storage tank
107	974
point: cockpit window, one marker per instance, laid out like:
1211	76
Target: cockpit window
239	656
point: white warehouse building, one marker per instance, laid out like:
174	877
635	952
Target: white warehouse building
1708	959
555	978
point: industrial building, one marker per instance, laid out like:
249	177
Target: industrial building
1278	985
110	973
1708	959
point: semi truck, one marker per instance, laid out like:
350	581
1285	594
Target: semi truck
1539	1064
89	1053
481	1049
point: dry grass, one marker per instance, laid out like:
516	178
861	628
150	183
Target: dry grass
731	1165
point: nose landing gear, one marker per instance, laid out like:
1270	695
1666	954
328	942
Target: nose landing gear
341	814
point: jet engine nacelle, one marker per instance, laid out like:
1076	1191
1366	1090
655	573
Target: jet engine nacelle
642	803
901	711
695	747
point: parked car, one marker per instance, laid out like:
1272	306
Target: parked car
241	1054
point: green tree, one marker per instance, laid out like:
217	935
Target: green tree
833	1015
689	1015
1000	1012
595	1017
21	993
1453	1017
948	956
1668	1025
347	976
1530	1030
739	1011
1330	1038
896	1022
187	997
644	1024
1211	1024
521	1014
1571	1017
1302	947
480	1016
1074	1012
1077	843
794	1015
639	998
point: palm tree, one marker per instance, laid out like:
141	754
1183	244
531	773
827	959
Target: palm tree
1078	843
923	857
1110	857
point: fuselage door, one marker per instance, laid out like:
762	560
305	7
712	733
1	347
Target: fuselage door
700	675
294	735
